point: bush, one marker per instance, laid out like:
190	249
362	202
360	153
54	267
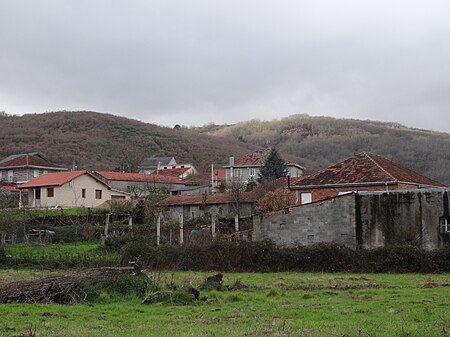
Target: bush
264	256
110	287
2	254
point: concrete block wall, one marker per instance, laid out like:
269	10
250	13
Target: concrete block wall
403	217
328	221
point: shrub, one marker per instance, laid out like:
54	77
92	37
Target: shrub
264	256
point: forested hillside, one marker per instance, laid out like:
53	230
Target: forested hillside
102	141
322	141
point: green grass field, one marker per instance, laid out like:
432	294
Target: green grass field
272	304
60	255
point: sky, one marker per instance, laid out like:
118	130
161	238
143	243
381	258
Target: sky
193	62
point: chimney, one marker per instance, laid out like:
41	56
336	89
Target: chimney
231	160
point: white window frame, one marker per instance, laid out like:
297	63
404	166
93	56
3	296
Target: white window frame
305	198
444	224
252	172
10	176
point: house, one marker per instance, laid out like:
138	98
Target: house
177	171
20	168
246	169
70	189
221	205
141	184
362	172
152	164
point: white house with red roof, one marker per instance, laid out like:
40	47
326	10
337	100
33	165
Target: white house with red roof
246	169
70	189
20	168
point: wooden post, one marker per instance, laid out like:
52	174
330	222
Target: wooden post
158	229
106	224
213	226
130	225
181	230
236	223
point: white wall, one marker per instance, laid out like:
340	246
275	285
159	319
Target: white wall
70	195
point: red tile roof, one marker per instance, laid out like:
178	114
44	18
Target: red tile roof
365	168
257	158
219	198
9	187
58	179
123	176
28	160
173	172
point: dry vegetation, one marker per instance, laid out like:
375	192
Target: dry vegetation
323	141
102	141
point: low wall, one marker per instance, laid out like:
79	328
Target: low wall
327	221
366	219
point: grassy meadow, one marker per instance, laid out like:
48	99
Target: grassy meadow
251	304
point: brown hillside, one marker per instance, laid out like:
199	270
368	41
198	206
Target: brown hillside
324	141
103	141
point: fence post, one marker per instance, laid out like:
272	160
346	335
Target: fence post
213	225
181	229
158	229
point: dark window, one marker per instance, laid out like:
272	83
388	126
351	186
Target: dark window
98	194
37	193
50	192
83	193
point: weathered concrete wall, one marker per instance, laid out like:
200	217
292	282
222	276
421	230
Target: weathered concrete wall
328	221
366	219
402	217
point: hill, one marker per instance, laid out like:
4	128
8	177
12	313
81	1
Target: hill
103	141
323	141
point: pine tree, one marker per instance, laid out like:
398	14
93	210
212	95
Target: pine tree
273	168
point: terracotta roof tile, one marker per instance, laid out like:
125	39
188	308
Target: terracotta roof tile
365	168
58	179
123	176
172	172
219	198
31	159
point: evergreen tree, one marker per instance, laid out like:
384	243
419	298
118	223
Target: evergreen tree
273	168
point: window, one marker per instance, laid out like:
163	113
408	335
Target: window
98	194
306	198
50	192
237	172
10	176
35	173
83	193
37	193
445	225
251	172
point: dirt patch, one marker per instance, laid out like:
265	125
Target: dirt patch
337	287
435	285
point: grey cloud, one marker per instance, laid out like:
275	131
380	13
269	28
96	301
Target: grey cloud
194	62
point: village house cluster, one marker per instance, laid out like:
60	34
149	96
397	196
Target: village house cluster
363	201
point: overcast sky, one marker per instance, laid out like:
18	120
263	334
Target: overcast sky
223	61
